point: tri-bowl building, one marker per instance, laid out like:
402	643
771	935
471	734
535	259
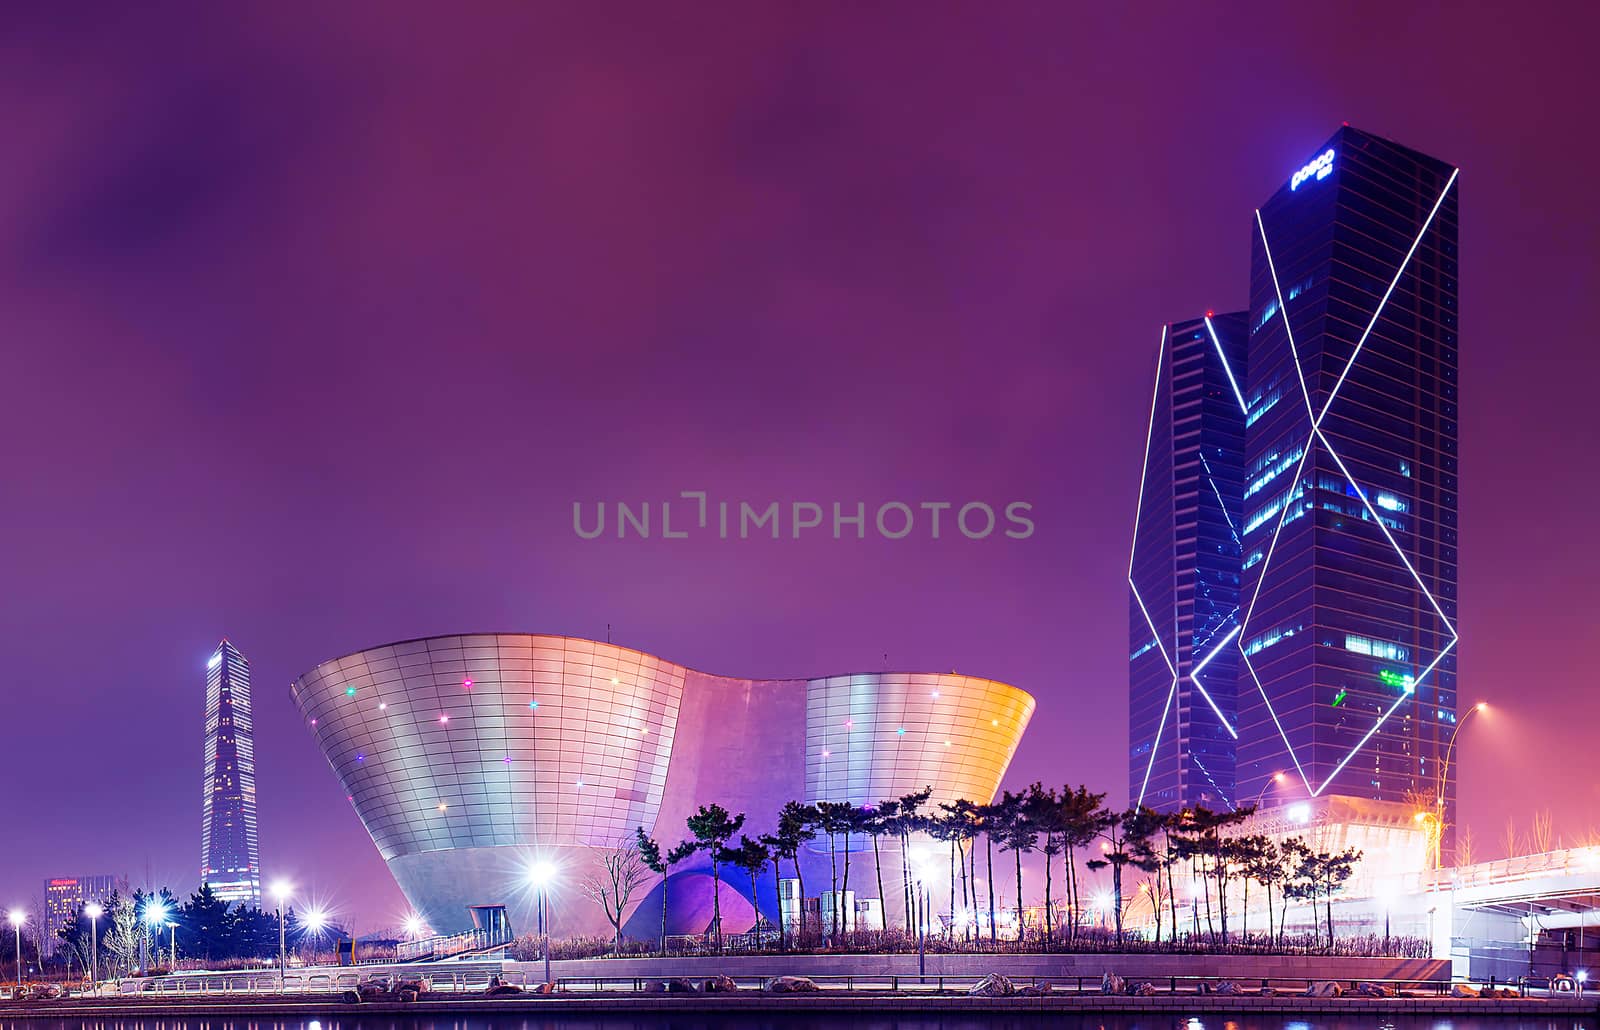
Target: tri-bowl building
468	758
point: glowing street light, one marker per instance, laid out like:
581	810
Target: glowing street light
155	917
316	922
93	912
1102	901
1278	778
540	875
18	917
413	926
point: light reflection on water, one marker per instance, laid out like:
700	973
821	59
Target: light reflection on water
863	1021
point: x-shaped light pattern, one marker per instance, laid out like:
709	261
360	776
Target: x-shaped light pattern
1199	666
1316	419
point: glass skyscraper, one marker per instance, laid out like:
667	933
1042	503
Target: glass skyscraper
229	855
1347	641
1183	573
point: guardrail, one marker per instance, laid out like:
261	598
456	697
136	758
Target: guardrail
476	981
448	946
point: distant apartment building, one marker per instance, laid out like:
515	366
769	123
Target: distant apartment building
64	895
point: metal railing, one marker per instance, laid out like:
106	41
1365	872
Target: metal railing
448	946
477	981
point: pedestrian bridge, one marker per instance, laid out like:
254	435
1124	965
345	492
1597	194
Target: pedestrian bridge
1534	915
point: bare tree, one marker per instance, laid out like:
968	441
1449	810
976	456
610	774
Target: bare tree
621	875
1464	844
1510	838
39	928
1541	836
120	942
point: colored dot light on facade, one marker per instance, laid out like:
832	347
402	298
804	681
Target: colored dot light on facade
383	706
533	704
443	719
349	691
900	732
443	806
466	684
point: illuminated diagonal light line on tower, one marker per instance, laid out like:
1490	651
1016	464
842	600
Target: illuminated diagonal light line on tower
1406	261
1234	530
1283	308
1144	469
1283	514
1194	677
1213	781
1224	359
1138	516
1156	744
1317	434
1409	692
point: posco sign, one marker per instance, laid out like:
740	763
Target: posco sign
1320	167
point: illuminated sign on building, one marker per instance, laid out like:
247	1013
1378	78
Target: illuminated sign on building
1319	167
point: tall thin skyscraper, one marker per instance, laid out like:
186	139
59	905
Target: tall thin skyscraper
1348	669
229	854
1183	573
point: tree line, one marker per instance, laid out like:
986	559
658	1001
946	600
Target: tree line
1071	828
125	938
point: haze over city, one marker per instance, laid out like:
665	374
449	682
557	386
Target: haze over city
321	322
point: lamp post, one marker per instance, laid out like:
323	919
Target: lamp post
316	920
18	917
94	912
1443	781
280	893
172	946
540	874
1277	778
155	916
922	935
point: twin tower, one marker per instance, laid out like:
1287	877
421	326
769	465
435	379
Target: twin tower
1292	582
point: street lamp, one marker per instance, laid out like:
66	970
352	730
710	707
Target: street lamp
18	917
94	912
1444	777
155	916
920	869
280	893
1277	778
316	920
540	875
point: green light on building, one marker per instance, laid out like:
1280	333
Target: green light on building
1391	678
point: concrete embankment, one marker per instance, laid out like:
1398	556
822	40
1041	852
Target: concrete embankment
834	1003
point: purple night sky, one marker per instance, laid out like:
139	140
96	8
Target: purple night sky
319	320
